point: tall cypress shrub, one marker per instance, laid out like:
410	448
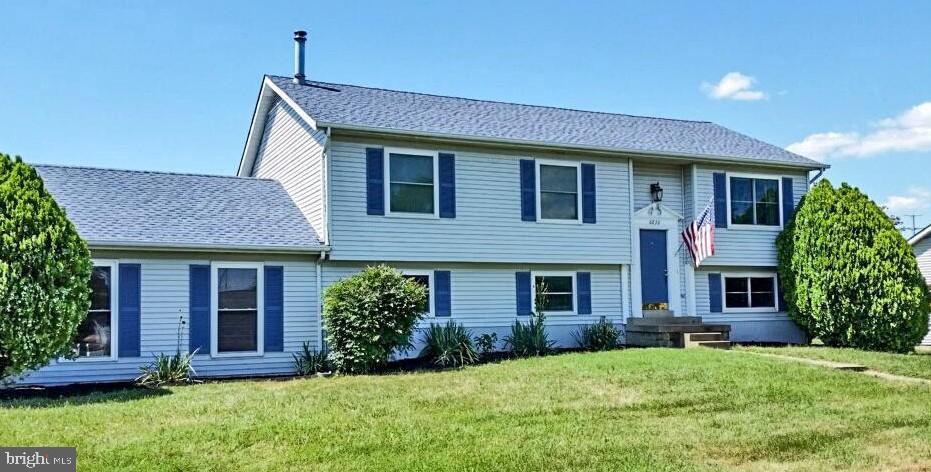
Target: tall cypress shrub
44	271
849	277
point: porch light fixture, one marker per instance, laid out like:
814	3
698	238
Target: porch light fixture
656	192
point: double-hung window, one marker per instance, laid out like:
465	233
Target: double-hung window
750	292
554	292
754	201
558	195
412	182
424	279
95	335
238	318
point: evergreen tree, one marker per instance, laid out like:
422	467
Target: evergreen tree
44	271
849	277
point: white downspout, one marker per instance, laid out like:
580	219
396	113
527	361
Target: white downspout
690	267
319	268
636	308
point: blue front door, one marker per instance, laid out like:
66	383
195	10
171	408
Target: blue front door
653	281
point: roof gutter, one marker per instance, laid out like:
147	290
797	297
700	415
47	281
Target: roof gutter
184	247
818	175
547	145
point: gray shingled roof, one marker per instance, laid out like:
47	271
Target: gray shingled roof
124	207
349	105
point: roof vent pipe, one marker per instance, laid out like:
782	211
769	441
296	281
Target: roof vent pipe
299	38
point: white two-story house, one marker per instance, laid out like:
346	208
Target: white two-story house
483	202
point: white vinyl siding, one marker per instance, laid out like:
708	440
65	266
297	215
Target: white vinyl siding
742	246
165	295
746	325
291	152
487	226
484	297
923	252
670	177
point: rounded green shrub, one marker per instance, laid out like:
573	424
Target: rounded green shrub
849	277
370	315
44	271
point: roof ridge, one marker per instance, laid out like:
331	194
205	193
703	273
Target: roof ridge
321	83
137	171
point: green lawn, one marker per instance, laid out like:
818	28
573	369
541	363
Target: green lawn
911	365
643	409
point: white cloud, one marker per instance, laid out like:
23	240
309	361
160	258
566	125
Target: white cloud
733	86
915	198
910	131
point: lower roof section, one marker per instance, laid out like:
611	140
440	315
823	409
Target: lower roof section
155	210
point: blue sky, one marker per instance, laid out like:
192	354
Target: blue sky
172	85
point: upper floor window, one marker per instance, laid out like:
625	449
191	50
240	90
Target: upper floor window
238	322
750	292
555	291
558	196
412	177
94	337
754	201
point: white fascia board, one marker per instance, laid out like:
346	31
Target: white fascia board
921	235
703	158
187	247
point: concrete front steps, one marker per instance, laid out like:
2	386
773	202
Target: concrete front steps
663	329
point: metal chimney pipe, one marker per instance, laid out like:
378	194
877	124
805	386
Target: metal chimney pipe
299	38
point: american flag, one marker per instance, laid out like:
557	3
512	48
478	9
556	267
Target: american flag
699	235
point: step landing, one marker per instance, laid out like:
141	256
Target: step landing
676	331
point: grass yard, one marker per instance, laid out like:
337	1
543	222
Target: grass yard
643	409
911	365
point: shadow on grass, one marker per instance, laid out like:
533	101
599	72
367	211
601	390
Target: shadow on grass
55	397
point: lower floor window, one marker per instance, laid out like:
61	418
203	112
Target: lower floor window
423	280
94	337
237	309
757	292
553	292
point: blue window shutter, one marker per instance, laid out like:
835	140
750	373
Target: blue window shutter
199	301
442	293
720	200
447	174
375	180
588	193
274	308
583	282
523	293
528	190
714	292
130	286
788	200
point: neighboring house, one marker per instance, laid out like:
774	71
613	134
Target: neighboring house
484	202
921	244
